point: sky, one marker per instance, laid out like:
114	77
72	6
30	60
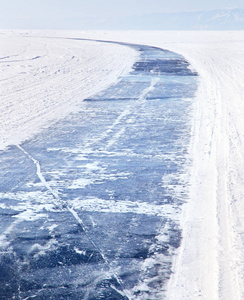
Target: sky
70	14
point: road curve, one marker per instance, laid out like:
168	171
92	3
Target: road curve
90	207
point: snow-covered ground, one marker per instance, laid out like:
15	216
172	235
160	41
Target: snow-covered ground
209	264
43	79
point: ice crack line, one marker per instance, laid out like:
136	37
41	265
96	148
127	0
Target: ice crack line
58	202
144	93
125	114
62	205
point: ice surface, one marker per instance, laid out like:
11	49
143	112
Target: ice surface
210	260
96	197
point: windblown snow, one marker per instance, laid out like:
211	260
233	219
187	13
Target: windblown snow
35	89
44	79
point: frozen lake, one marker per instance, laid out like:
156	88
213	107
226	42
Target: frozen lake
89	207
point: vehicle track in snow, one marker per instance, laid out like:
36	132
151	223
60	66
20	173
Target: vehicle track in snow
213	220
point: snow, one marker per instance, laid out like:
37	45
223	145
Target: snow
44	79
41	82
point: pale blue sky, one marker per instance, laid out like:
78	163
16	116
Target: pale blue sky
71	14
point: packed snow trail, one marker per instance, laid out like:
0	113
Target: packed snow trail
210	262
217	182
90	206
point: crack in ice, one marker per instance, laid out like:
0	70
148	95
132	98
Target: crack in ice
62	205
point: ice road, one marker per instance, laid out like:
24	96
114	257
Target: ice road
89	206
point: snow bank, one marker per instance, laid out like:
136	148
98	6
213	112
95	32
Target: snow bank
44	79
209	264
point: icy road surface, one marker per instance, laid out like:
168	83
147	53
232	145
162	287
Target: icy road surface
89	207
210	261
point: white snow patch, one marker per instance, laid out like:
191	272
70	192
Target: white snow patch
80	183
81	252
30	215
44	79
122	206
